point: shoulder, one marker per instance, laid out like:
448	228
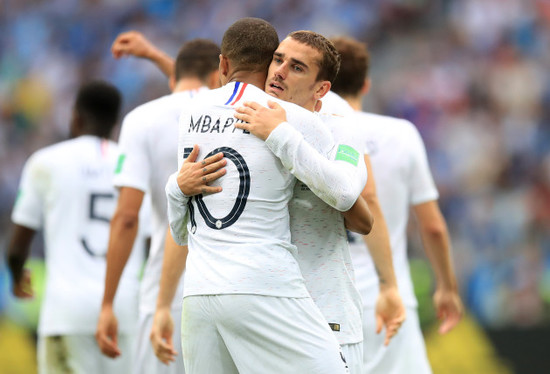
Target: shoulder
161	109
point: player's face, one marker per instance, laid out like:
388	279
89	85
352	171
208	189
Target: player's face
292	75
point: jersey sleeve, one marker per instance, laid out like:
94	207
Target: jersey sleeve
28	209
306	154
133	168
423	188
349	152
177	210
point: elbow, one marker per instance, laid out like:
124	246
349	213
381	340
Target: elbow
126	220
365	226
435	230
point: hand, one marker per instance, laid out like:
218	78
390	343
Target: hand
449	309
161	336
260	121
193	177
132	43
23	288
390	312
107	332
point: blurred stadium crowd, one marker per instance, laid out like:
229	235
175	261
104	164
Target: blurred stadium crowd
473	75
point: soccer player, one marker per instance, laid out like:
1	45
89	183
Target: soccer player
148	144
317	230
404	180
246	304
66	189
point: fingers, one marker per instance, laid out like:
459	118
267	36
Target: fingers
449	321
379	323
193	155
213	159
165	351
107	345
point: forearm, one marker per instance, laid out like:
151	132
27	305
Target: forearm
177	210
437	244
18	251
378	243
173	265
378	240
338	184
163	61
121	240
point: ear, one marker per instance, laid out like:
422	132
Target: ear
322	89
172	82
366	87
224	68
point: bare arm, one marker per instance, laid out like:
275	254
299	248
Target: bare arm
390	310
359	218
435	237
18	252
163	326
133	43
124	227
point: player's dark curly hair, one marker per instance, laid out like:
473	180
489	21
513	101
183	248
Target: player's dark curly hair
249	43
354	68
98	105
197	58
330	58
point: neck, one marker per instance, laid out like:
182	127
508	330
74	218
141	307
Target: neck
354	101
186	84
255	79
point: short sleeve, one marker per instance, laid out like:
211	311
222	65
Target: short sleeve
29	204
133	168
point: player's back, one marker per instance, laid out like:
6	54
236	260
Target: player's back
239	239
149	144
68	190
400	167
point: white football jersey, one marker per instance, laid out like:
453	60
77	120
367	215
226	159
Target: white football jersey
149	146
67	190
403	178
239	239
319	233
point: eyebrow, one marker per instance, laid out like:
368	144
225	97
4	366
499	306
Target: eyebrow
294	60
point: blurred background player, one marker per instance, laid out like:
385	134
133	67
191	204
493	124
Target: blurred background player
403	178
67	190
148	144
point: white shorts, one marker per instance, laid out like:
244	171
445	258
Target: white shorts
406	352
250	334
353	354
80	354
146	362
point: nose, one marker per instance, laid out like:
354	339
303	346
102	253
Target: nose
281	71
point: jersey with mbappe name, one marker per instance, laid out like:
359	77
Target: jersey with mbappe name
239	239
66	189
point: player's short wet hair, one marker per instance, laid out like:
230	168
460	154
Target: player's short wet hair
98	105
330	58
249	43
197	58
354	68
